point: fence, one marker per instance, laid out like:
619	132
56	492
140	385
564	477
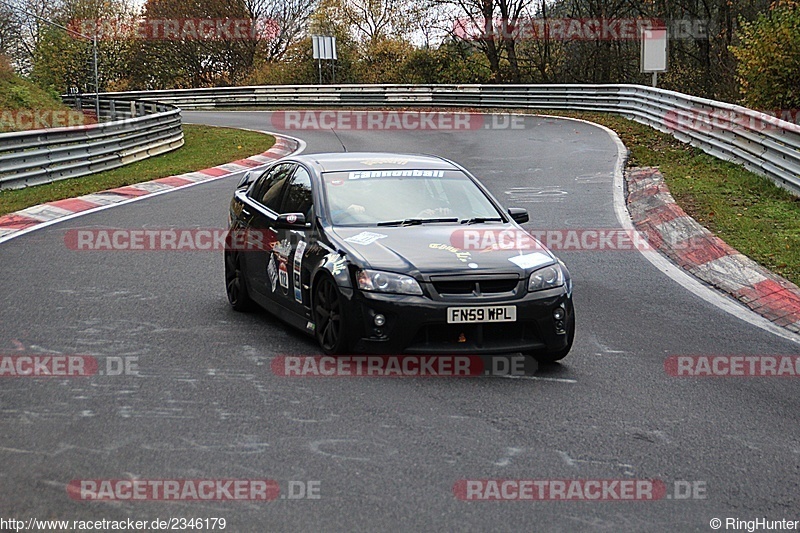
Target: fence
760	142
134	130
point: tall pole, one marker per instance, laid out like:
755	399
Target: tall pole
96	83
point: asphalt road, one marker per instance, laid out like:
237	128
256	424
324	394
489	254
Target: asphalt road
385	452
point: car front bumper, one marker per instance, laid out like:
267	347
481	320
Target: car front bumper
418	325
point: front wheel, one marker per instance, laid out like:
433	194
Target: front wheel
329	323
235	284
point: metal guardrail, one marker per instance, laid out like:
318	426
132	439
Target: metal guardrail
135	130
760	142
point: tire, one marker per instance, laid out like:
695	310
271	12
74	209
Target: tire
551	357
329	319
235	284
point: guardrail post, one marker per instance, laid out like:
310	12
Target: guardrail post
112	110
133	109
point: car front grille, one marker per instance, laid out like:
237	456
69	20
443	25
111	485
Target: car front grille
474	285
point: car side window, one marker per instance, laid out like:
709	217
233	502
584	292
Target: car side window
298	197
258	185
268	191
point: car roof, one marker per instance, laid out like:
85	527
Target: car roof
353	161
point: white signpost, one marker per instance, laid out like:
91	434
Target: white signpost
324	49
654	51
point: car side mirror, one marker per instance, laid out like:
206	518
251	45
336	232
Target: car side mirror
519	214
291	221
247	179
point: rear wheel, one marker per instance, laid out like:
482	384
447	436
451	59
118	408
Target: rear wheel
329	324
235	284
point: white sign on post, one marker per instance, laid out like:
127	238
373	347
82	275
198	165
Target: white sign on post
654	51
324	48
333	48
315	46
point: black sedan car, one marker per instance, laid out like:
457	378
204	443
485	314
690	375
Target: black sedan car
395	254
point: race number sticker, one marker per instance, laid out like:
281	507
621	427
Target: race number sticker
272	272
296	271
283	275
365	237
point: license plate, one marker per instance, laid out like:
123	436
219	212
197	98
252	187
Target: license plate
490	313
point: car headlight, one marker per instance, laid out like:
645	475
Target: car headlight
546	278
376	281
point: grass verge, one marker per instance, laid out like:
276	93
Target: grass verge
205	146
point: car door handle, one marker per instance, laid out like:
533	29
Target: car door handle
245	212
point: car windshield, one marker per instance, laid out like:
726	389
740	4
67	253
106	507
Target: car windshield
405	197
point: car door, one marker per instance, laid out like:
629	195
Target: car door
298	198
265	197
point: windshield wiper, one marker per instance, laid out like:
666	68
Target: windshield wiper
481	220
415	221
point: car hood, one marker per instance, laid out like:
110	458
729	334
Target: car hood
435	249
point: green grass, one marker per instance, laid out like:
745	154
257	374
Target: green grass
17	94
747	211
205	146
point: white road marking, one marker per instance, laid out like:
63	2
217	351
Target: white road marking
510	453
685	280
542	378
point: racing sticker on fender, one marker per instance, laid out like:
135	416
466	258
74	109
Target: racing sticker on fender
531	260
283	275
296	272
283	248
339	266
272	272
365	237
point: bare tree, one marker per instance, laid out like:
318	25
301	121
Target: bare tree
285	22
492	26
